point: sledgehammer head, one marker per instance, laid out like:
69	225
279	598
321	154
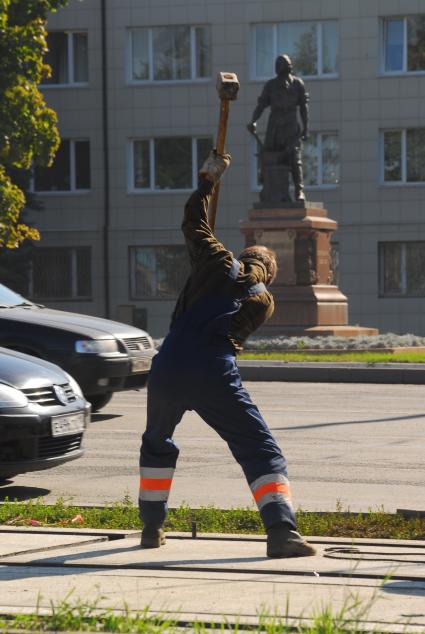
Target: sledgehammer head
227	86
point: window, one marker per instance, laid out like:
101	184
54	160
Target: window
168	163
404	44
158	272
321	162
170	53
70	171
312	47
402	269
321	159
67	57
60	273
404	156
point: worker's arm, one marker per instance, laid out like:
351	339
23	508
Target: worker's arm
200	240
254	312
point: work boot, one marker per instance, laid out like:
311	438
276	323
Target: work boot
283	541
152	537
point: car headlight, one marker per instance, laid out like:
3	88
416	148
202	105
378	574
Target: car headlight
74	385
9	397
96	346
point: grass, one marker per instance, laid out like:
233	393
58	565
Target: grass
369	357
124	516
86	616
83	616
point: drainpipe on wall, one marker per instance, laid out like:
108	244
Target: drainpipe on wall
106	197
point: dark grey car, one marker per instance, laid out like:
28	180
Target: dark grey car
103	356
43	415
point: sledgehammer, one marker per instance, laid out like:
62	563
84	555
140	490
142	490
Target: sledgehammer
227	88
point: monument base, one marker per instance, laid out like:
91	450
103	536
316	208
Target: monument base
307	303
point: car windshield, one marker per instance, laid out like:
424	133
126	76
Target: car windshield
10	298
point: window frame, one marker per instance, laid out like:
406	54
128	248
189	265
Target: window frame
276	51
256	186
381	270
74	276
151	80
132	248
73	191
71	70
404	182
131	189
404	70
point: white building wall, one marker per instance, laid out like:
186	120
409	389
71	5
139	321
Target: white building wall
357	104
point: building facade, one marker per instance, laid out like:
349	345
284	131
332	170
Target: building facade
133	83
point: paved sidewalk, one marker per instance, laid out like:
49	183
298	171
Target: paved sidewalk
213	576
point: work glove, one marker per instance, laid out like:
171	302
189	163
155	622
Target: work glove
214	166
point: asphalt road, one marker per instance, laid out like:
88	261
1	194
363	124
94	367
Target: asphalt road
355	446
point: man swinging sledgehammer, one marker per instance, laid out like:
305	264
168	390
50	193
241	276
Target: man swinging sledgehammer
224	300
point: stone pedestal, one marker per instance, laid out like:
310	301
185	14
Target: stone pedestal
306	300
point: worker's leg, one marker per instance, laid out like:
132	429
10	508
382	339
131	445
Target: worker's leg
297	174
229	410
158	455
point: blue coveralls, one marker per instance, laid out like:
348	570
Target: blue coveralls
196	370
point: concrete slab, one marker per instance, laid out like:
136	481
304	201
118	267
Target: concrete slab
216	577
356	560
213	597
15	544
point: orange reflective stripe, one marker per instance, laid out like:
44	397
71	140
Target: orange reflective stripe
271	487
155	484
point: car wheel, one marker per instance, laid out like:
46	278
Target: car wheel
98	400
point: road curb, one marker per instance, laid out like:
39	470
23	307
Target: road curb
332	372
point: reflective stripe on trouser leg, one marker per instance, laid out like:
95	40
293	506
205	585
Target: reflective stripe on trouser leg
155	484
272	492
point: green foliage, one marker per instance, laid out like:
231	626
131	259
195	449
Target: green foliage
125	516
28	131
367	356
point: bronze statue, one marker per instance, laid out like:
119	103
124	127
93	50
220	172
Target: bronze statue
281	151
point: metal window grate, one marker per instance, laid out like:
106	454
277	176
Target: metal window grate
60	273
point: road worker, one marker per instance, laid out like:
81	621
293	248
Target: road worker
223	301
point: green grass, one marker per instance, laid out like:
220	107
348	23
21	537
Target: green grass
84	616
356	356
124	516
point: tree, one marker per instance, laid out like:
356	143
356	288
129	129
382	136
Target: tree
28	128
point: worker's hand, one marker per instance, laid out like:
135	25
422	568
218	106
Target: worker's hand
305	134
214	167
252	127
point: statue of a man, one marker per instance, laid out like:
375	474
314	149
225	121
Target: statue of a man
286	96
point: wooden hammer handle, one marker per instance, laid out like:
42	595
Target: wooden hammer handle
221	139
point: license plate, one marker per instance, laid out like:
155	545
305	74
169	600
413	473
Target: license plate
69	424
140	365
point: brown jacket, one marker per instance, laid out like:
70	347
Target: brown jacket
211	263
